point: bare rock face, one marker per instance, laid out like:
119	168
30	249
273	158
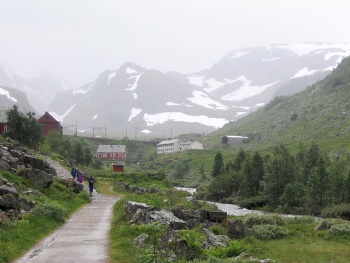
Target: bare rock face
38	177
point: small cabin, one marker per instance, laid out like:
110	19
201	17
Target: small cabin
49	123
118	167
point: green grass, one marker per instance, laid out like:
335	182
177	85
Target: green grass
57	204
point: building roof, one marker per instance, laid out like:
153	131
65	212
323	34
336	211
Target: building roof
168	142
111	148
231	136
47	117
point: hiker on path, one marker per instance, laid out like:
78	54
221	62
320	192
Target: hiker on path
80	177
74	173
91	181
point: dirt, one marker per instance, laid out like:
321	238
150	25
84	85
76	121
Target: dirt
83	238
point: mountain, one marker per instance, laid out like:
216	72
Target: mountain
137	101
320	113
10	97
40	90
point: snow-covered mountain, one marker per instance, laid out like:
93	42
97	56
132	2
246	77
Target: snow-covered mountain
10	97
40	91
135	101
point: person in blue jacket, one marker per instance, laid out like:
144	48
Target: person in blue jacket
91	181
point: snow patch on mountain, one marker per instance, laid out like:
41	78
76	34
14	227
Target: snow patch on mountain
172	104
62	116
134	113
246	90
84	90
238	54
133	86
303	72
7	94
196	80
202	99
153	119
95	116
146	131
271	59
130	71
110	77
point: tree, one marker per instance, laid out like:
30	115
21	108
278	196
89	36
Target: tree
54	139
24	128
218	167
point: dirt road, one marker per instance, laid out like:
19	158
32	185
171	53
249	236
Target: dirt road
83	239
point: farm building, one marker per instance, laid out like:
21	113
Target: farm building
118	167
193	145
170	146
49	123
111	152
3	122
228	139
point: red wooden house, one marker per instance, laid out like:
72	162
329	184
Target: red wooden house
3	122
49	123
111	152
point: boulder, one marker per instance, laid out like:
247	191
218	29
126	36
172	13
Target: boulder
8	202
38	177
325	225
213	240
30	191
167	218
25	204
235	229
217	217
8	189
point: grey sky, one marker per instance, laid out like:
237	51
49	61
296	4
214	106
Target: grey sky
75	40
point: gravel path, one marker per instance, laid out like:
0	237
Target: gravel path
84	237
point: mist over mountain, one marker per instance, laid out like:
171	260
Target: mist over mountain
10	97
135	101
39	90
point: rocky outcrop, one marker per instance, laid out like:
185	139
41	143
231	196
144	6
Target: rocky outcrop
12	206
137	189
38	177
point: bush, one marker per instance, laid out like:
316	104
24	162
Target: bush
340	230
253	220
51	210
219	230
266	232
253	202
235	248
338	211
194	239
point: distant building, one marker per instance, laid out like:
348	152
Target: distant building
170	146
118	167
49	123
111	152
3	122
193	145
229	139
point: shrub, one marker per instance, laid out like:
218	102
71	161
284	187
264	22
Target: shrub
338	211
266	232
194	239
235	248
253	220
340	230
219	230
253	202
51	210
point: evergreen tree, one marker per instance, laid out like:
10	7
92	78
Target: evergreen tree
24	128
218	167
239	159
258	172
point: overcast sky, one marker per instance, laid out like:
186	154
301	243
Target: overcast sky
76	40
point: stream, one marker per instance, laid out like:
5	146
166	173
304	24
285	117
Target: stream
230	209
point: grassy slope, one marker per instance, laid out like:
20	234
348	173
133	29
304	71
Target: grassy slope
321	114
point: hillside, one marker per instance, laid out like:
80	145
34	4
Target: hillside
320	113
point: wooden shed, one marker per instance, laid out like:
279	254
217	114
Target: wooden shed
118	167
49	123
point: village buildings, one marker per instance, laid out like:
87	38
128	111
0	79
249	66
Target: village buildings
111	152
174	146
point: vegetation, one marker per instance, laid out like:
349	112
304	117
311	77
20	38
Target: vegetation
24	128
52	208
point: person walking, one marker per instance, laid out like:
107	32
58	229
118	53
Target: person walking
80	178
74	173
91	181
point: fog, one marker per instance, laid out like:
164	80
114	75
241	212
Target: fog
74	41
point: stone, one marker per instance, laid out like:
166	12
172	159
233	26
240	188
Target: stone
325	225
141	240
8	189
38	177
235	229
213	240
